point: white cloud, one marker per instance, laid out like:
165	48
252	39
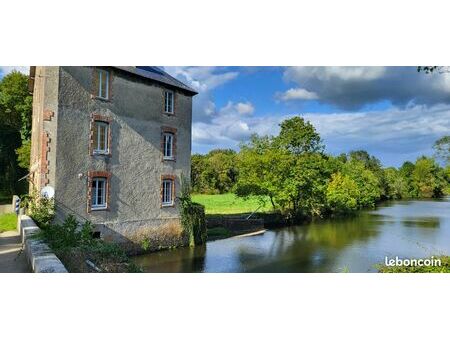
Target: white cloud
241	108
351	88
342	73
227	127
393	135
245	108
4	70
204	80
297	94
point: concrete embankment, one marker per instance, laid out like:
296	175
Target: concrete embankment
38	254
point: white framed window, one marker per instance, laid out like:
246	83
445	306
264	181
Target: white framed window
167	192
168	146
168	101
98	192
101	137
103	84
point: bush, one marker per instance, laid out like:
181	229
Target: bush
69	234
193	217
74	244
41	209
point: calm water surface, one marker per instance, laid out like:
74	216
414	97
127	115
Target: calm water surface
409	229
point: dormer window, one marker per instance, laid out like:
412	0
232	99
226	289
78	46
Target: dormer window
168	101
103	84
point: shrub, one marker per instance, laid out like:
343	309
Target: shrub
40	209
69	234
74	244
193	217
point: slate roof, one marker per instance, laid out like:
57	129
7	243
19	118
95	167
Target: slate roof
158	75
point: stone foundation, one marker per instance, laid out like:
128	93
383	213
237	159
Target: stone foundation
156	234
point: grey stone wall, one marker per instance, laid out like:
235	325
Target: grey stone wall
136	110
39	256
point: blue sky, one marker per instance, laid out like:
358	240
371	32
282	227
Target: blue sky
395	113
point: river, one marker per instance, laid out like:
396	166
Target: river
408	229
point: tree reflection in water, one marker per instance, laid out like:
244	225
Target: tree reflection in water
408	229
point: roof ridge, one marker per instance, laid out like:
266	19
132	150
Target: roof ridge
157	74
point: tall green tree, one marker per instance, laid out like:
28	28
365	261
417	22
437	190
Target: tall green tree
215	172
16	104
428	178
288	168
15	131
367	182
342	194
299	136
397	186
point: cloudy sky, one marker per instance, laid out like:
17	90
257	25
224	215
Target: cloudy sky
394	113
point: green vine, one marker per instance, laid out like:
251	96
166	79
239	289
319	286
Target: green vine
192	216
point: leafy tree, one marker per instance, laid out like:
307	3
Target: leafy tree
197	167
299	136
368	184
428	178
16	104
374	165
433	69
342	194
214	172
23	154
406	171
397	186
442	148
15	129
289	169
262	168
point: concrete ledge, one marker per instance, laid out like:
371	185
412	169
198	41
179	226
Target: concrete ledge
237	225
39	255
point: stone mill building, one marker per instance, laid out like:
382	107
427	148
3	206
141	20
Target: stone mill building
115	144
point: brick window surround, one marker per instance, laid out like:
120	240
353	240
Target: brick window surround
95	84
100	174
99	118
173	113
48	114
167	178
173	131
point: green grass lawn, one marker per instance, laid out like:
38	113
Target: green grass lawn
8	222
230	204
